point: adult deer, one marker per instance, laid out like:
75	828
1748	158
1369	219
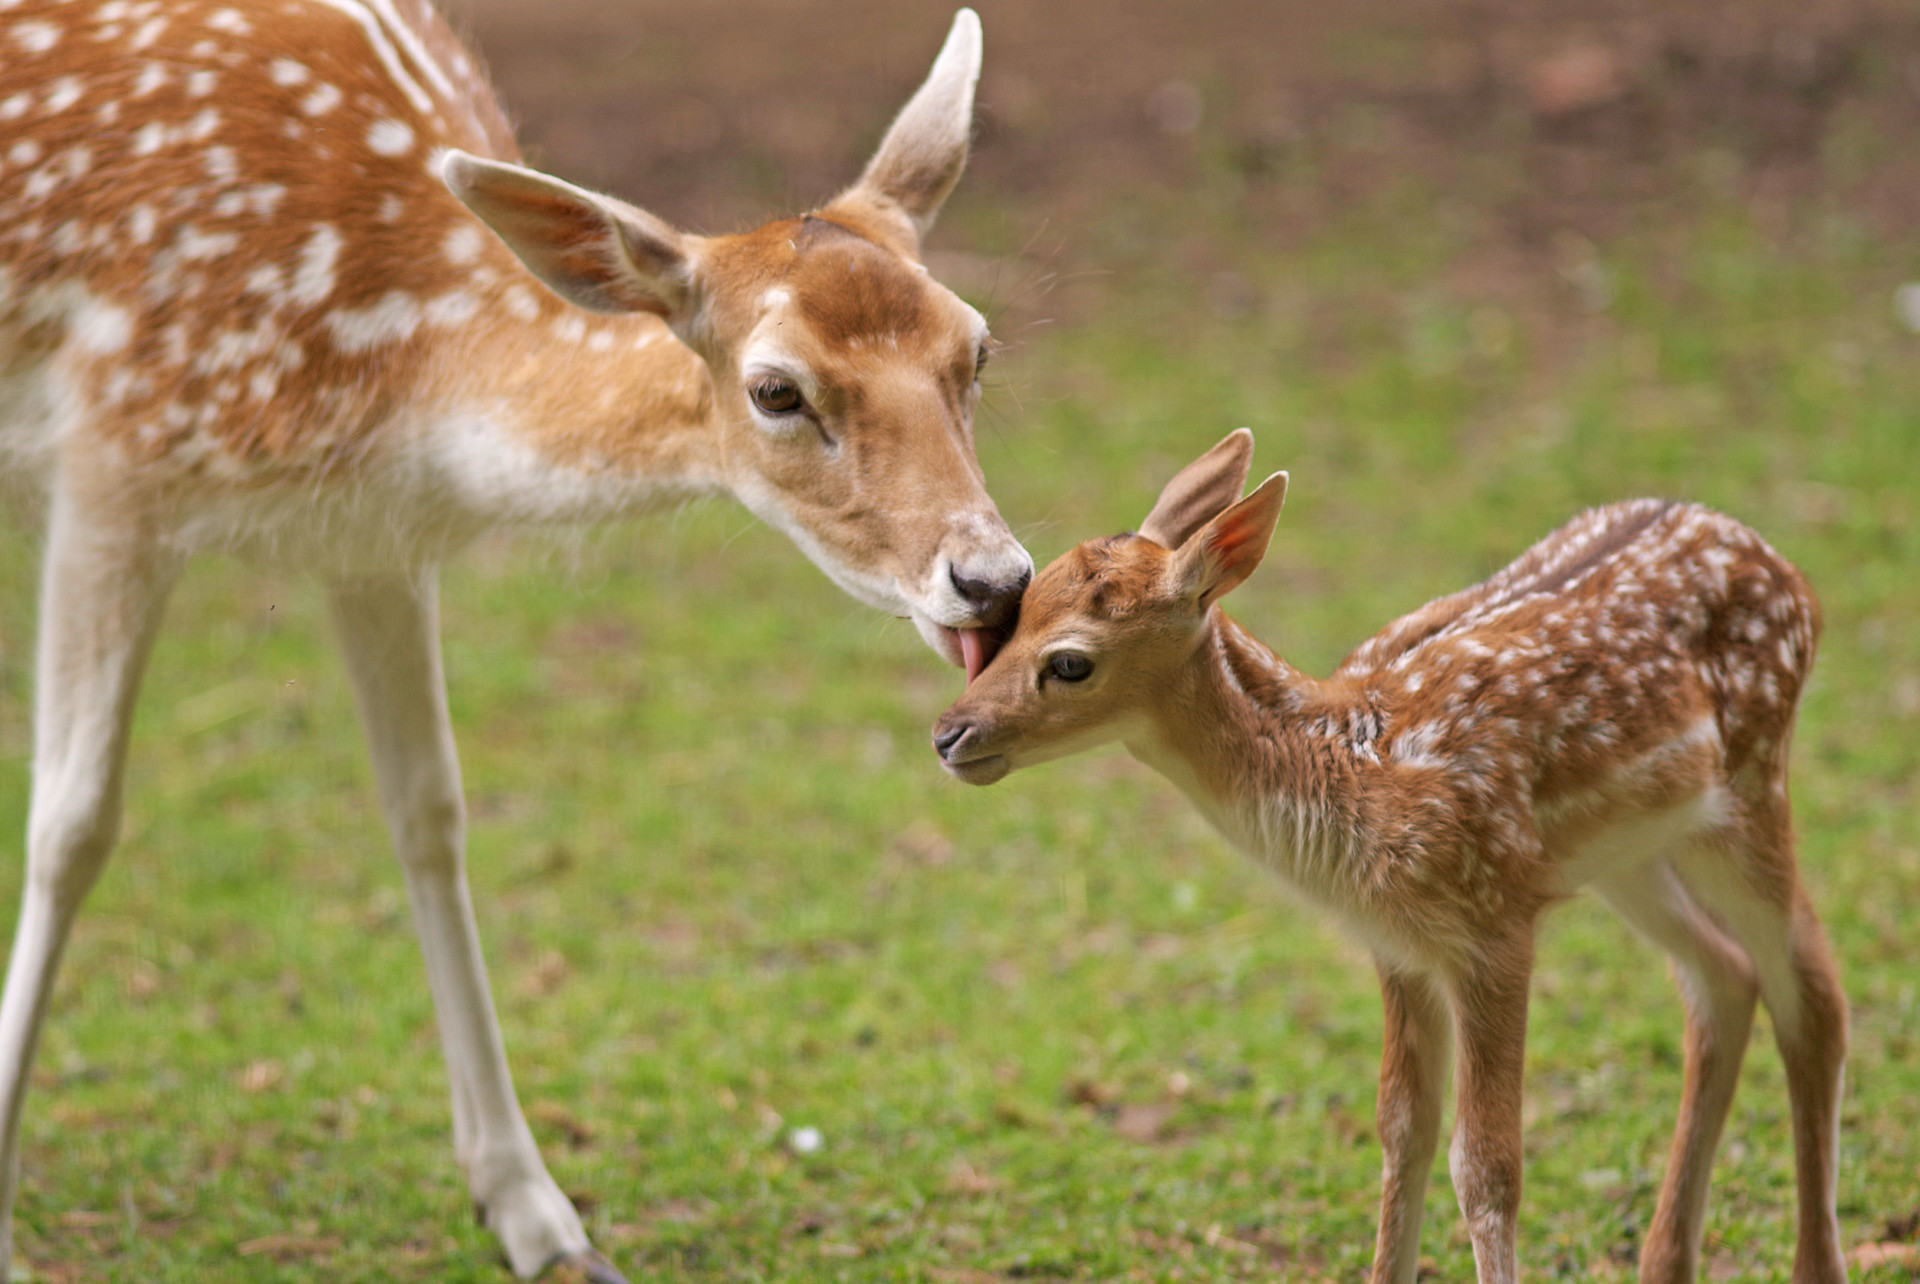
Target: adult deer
1611	711
241	307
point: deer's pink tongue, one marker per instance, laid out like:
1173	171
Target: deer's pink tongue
976	650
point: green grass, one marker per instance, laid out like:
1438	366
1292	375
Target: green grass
1051	1030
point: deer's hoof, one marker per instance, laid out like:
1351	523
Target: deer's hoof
586	1267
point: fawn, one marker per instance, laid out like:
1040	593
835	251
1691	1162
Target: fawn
272	281
1612	711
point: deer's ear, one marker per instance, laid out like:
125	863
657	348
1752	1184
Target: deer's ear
593	251
1220	556
1201	491
924	151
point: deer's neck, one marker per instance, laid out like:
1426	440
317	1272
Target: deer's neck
1284	765
554	415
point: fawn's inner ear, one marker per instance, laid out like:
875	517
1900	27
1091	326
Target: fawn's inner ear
1224	552
1201	491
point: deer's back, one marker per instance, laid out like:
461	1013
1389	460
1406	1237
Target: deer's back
1637	635
223	242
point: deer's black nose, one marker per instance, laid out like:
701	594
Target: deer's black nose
993	601
945	738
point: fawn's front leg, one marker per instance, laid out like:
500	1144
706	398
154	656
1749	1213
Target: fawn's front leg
1490	1022
1413	1070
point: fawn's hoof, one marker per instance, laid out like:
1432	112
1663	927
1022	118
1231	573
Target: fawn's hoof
586	1267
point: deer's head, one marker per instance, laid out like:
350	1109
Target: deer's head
1106	630
845	378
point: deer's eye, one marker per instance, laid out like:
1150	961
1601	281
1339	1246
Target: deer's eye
777	396
1070	666
980	359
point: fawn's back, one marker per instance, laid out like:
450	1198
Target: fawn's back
1643	657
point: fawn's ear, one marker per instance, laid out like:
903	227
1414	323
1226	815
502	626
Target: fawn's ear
1201	491
1226	550
593	251
924	151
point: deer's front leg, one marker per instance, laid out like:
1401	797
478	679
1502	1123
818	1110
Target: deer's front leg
1413	1069
106	583
389	628
1490	1023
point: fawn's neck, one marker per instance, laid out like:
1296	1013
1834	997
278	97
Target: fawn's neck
1283	764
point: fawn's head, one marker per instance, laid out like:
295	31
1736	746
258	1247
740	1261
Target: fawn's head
1104	631
844	377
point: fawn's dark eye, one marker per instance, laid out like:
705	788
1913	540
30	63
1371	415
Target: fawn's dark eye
777	396
980	360
1070	666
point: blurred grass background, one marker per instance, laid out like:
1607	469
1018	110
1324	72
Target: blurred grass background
1463	267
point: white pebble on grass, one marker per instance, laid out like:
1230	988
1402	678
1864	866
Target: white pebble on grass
804	1141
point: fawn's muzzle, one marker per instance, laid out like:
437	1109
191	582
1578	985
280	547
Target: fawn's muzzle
958	741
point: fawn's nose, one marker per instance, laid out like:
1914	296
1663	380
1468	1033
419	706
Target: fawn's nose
947	738
993	599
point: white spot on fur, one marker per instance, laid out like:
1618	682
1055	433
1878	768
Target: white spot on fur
390	137
228	20
62	169
102	327
520	303
231	349
62	94
1416	746
462	244
456	307
141	224
287	73
266	279
391	208
36	37
322	100
148	33
15	106
201	83
222	165
193	244
24	152
260	200
393	319
313	278
152	76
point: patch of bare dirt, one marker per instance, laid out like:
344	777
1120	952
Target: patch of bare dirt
721	114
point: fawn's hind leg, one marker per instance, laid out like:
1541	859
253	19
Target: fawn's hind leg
1757	896
1718	988
1413	1072
1490	1031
